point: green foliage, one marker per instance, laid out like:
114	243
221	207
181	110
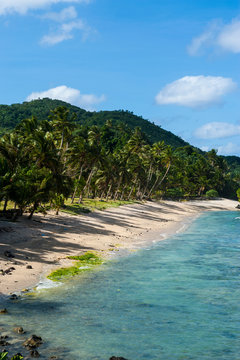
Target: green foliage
238	194
4	356
175	193
42	163
212	194
12	115
86	262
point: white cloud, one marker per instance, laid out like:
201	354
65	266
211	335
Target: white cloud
229	37
70	95
195	91
68	13
224	37
204	40
229	149
65	32
23	6
214	130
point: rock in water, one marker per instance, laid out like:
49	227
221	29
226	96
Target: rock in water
14	297
19	330
34	354
4	343
8	254
33	342
3	311
117	358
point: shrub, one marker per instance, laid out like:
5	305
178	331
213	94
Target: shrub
174	193
212	194
238	194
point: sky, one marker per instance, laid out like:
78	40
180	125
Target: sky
176	63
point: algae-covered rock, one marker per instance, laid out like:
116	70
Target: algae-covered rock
82	264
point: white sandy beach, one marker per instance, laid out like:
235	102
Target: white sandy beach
45	242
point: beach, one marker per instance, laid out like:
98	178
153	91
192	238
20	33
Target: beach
41	245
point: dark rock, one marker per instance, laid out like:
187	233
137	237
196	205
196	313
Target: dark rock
8	254
238	206
117	358
33	342
14	297
34	354
3	311
3	337
19	330
9	270
28	267
4	343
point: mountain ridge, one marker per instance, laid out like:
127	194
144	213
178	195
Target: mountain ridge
12	115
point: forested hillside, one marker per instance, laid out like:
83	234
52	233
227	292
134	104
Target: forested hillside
47	156
43	163
11	115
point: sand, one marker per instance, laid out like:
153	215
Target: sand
44	242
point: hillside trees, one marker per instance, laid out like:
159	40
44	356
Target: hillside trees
44	162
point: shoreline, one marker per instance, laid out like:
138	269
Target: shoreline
41	246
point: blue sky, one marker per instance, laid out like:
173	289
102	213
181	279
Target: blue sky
175	63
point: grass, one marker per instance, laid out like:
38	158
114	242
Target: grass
89	205
86	262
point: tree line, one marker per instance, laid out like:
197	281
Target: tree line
42	163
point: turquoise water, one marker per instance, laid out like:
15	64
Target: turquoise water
178	300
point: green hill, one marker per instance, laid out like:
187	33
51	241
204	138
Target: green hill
11	115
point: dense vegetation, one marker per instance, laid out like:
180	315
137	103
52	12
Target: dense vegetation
11	116
44	162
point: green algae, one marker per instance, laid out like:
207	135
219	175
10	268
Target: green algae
84	263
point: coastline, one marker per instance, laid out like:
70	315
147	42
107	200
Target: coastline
44	243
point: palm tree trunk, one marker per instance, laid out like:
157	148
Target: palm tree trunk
150	172
5	205
86	186
156	184
89	183
130	193
168	168
101	197
134	183
33	210
153	187
109	190
118	186
123	191
76	187
138	191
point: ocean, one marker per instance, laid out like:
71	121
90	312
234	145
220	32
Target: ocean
176	300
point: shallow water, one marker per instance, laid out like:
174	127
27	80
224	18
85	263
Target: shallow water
178	300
